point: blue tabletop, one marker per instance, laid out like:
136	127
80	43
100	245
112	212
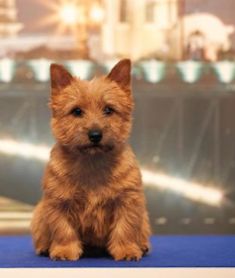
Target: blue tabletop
167	251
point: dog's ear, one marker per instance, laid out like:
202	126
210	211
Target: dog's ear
121	73
60	77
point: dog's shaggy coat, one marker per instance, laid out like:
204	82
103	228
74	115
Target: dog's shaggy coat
92	193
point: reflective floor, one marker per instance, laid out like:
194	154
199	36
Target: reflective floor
14	217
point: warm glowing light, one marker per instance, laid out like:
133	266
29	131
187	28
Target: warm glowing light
96	14
191	190
69	13
64	14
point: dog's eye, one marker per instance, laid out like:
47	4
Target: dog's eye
77	112
108	110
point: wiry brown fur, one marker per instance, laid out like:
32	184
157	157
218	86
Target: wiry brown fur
91	195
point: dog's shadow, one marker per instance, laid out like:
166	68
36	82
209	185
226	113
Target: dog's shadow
95	252
89	252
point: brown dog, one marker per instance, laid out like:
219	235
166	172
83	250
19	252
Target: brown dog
92	189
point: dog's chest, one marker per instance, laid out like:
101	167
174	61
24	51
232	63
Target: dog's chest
92	213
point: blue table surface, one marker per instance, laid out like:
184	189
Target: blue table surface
167	251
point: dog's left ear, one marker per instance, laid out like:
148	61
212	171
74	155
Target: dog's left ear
121	73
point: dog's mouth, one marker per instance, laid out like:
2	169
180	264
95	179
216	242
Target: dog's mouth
95	147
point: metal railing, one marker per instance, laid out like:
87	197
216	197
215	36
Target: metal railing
152	71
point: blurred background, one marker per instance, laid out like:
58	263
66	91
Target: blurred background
183	55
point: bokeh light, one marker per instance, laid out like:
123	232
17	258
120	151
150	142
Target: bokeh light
68	13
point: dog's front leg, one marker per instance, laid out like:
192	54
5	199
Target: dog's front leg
65	242
126	229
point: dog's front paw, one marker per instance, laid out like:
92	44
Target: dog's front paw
126	252
71	252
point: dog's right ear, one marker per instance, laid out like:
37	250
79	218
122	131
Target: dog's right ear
60	77
121	73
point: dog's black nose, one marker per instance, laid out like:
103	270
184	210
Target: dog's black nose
95	135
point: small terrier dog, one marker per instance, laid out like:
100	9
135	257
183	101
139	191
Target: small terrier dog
92	189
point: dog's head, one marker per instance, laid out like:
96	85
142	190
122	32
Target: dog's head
92	116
